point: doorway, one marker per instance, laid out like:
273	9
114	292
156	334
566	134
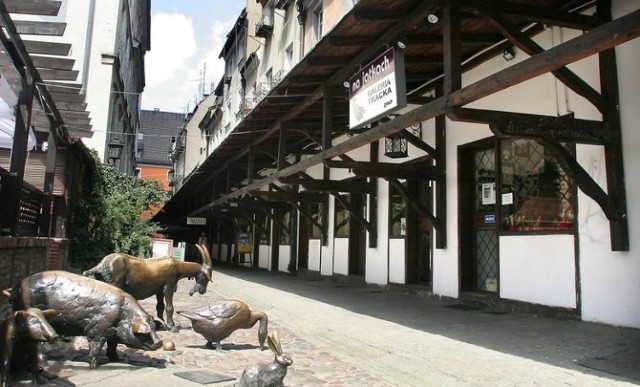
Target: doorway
357	236
479	259
419	236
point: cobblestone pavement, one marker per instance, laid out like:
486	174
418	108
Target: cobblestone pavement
352	335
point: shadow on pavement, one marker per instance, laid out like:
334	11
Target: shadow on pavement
560	342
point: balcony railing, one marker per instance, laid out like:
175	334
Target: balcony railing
264	28
282	4
23	219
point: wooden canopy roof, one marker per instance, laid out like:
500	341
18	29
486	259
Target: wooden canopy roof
289	120
54	66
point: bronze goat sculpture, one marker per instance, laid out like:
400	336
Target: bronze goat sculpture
143	278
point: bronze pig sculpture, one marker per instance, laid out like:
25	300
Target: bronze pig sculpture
87	307
220	319
21	332
268	375
142	278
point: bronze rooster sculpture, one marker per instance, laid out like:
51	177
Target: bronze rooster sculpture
219	320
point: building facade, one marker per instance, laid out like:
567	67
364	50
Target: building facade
109	40
498	176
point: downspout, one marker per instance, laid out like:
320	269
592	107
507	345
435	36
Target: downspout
87	50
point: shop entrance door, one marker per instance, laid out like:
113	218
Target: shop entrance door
478	218
419	236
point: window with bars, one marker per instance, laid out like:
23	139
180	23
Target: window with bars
397	213
537	194
317	214
341	224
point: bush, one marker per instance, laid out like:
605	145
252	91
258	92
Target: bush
108	218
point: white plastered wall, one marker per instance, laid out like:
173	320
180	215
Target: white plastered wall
538	275
610	280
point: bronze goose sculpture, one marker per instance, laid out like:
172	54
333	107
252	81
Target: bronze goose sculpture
219	320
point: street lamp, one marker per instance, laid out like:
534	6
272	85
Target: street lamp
396	146
115	150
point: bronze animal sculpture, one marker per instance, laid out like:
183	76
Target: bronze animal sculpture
21	332
219	320
268	375
87	307
143	278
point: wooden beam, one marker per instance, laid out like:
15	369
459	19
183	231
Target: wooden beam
70	106
67	97
507	124
552	17
614	155
526	44
33	7
353	212
258	204
310	184
582	178
415	203
59	75
379	15
47	48
390	170
418	143
25	27
49	62
452	47
328	61
286	196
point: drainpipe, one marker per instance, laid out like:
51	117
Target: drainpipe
87	50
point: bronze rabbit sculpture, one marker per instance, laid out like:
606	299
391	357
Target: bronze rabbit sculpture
268	375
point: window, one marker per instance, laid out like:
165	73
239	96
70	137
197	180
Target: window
537	194
341	225
285	233
317	22
265	227
397	213
138	173
288	58
317	213
269	76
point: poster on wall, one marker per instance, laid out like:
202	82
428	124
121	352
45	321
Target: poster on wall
243	243
488	193
162	248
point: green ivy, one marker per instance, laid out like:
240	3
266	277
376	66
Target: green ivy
108	218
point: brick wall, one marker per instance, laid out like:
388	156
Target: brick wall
20	257
58	254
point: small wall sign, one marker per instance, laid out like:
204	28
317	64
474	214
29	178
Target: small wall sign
490	219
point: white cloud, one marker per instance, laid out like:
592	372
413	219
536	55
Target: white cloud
174	65
173	44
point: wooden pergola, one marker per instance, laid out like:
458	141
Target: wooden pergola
309	107
41	74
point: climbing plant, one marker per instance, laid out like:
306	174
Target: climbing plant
108	217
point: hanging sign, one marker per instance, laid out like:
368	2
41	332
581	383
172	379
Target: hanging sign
378	89
197	221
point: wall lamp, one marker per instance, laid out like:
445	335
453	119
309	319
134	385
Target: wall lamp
508	53
432	18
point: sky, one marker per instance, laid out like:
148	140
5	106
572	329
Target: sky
186	35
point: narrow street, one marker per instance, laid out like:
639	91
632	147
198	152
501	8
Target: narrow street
353	335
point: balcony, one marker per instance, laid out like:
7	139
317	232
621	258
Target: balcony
264	28
282	4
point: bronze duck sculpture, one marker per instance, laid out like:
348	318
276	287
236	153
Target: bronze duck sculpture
219	320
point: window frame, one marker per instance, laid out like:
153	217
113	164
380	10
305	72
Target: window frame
503	211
